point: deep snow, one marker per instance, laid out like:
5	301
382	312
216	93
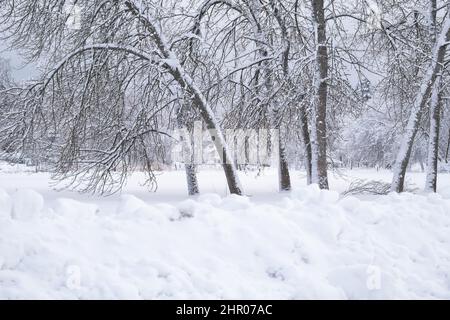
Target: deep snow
304	244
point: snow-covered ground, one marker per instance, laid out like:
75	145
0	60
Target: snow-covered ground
304	244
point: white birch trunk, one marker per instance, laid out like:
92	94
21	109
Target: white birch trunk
433	69
190	166
433	139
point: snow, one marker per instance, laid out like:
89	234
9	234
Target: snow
308	243
5	204
26	204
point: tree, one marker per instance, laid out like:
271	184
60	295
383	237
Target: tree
427	83
433	138
319	108
259	78
435	114
186	136
124	29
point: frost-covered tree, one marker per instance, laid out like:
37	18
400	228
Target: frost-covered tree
360	83
319	108
126	38
432	71
248	63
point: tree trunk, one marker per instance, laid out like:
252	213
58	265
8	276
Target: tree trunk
420	101
306	143
173	66
435	110
283	169
319	109
191	178
433	140
422	168
188	155
217	136
448	146
284	178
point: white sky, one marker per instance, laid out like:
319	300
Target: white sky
19	69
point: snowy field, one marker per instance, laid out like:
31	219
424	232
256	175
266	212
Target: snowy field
301	245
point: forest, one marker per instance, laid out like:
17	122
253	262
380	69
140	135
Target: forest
344	84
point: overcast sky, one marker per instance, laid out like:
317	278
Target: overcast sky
20	70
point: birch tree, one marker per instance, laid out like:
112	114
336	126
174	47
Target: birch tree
133	32
433	69
433	138
434	114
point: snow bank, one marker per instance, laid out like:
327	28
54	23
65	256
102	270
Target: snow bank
310	244
5	204
27	204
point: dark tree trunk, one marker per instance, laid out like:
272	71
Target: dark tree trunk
448	146
320	175
284	177
191	178
307	144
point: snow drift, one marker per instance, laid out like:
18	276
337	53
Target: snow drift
311	244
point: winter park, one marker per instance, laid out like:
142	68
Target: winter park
224	149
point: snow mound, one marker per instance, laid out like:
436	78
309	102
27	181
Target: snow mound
445	192
5	204
27	204
310	244
312	193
